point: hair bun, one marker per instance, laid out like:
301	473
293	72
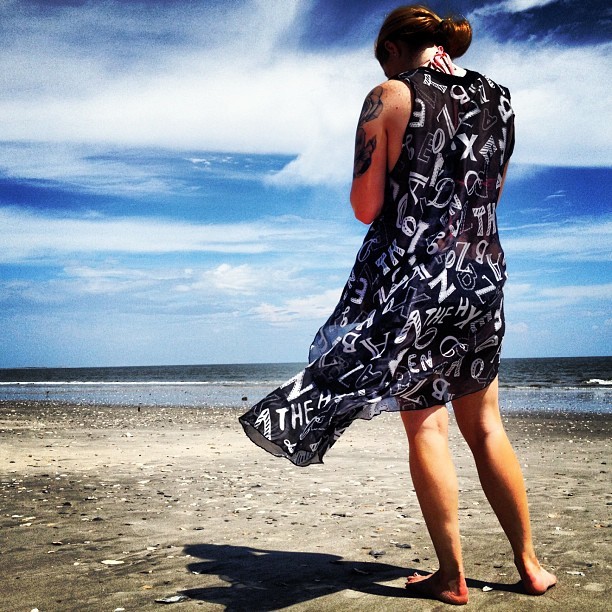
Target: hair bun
417	26
455	35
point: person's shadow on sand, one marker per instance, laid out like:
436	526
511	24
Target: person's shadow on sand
264	580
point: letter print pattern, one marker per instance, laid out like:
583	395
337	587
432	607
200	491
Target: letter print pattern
420	320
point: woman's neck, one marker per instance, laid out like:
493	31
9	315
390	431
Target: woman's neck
403	59
436	58
423	57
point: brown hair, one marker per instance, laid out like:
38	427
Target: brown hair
417	26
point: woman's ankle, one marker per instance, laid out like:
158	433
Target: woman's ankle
526	561
536	580
454	578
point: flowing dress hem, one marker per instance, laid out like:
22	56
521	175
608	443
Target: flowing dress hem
390	405
274	449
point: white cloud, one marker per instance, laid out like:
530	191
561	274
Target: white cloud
90	169
312	307
243	279
217	287
134	173
514	290
558	299
556	124
288	105
27	235
204	92
102	39
576	293
510	6
159	287
580	240
558	194
520	328
234	279
517	6
114	279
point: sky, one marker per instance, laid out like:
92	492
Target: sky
174	174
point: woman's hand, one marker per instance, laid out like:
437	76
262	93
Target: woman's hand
378	144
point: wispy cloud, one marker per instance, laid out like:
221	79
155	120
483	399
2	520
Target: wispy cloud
518	329
108	170
579	240
558	194
163	288
529	299
27	235
310	307
510	6
241	280
575	293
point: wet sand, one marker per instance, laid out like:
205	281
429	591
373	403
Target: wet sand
181	503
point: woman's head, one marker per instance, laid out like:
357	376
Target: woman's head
416	26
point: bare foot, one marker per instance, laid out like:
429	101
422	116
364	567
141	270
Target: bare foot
435	586
536	580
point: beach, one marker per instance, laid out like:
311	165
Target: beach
117	507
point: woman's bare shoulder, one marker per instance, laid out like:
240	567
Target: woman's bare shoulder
396	98
390	88
395	85
396	94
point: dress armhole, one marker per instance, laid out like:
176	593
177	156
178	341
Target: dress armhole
410	87
510	147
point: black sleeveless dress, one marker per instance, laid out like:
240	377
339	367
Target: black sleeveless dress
420	320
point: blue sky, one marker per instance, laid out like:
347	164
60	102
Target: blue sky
174	175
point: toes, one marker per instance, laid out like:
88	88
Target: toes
415	578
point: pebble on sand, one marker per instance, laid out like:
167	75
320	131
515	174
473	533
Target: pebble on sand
172	599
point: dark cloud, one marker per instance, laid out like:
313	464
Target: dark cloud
338	23
333	23
114	23
564	22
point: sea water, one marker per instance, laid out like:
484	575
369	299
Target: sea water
571	384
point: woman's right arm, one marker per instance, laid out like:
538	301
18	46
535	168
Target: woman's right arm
378	144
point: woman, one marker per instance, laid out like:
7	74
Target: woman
420	321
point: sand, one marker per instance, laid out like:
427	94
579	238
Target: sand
181	503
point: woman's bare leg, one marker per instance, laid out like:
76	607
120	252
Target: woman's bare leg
435	483
502	480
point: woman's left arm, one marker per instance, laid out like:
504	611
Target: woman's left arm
380	131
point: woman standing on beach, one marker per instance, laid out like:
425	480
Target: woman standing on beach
420	321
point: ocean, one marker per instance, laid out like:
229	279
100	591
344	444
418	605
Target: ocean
569	384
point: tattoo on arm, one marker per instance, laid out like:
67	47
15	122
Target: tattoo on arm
372	108
363	153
